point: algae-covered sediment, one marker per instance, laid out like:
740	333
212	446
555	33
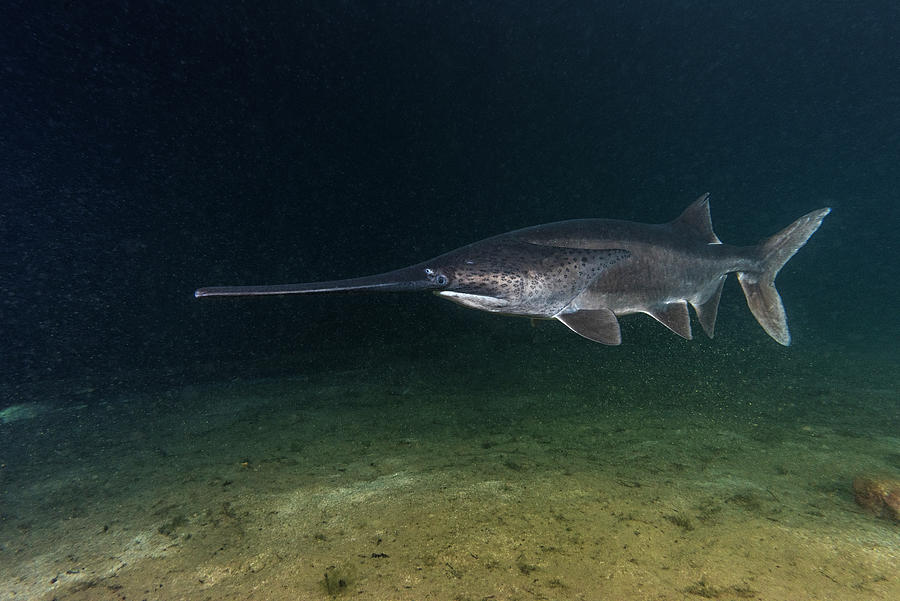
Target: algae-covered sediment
395	481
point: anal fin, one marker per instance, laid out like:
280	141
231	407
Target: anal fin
708	309
674	316
599	325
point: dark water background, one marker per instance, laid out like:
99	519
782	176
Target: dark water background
149	148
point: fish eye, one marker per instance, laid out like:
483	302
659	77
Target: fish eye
437	278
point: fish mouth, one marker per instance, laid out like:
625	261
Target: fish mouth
476	301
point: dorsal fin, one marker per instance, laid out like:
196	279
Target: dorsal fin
695	221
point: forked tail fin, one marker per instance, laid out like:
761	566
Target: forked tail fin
759	286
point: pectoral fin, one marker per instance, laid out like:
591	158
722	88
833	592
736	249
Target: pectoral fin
599	325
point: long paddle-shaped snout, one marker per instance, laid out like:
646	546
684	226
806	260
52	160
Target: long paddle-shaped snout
409	279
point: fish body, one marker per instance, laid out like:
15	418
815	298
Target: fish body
588	272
